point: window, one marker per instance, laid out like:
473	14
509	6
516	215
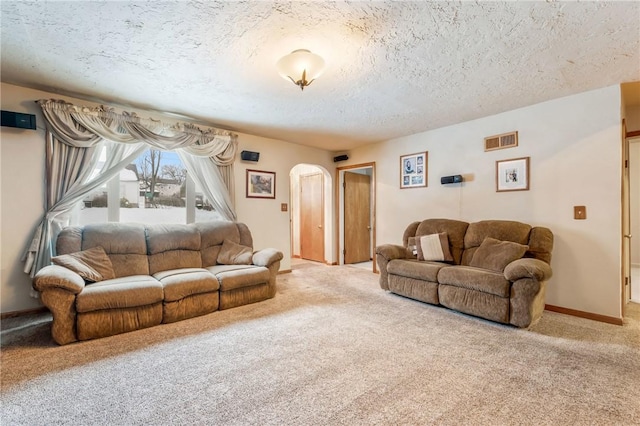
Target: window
155	188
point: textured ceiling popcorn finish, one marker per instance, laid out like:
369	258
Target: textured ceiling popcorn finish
393	68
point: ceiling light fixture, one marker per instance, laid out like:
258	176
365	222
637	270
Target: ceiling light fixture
301	67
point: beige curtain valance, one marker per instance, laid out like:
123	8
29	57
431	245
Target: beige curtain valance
84	127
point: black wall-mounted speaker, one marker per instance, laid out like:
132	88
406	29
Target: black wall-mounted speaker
451	179
18	119
340	158
250	156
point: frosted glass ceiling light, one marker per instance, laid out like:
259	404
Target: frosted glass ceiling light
301	67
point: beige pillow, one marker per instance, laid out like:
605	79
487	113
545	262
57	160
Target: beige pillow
434	247
496	255
234	254
93	264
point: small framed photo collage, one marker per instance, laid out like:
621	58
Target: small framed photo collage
413	170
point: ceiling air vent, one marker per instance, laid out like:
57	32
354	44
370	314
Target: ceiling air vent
505	140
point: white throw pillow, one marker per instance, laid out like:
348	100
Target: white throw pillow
435	247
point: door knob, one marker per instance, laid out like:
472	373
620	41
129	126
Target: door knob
320	226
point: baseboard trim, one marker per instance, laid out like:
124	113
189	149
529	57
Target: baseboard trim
284	271
586	315
14	314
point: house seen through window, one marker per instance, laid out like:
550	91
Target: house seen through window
154	188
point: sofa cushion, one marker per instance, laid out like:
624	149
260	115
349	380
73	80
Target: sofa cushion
69	240
190	306
427	271
212	235
165	237
418	289
480	304
455	230
173	246
107	322
232	277
93	264
477	279
215	270
180	283
234	254
503	230
125	243
496	255
434	247
119	293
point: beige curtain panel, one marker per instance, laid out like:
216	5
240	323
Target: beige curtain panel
76	135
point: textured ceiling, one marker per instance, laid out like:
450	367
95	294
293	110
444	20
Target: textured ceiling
393	68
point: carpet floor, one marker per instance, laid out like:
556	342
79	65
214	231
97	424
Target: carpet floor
331	348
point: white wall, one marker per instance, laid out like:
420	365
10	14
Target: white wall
575	148
22	178
22	194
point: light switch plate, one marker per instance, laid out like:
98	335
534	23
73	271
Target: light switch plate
579	212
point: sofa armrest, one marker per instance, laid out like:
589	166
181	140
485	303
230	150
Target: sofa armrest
267	257
54	276
527	268
391	251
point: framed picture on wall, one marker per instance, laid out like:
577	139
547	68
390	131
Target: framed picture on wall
413	170
512	175
261	184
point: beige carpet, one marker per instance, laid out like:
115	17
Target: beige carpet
331	348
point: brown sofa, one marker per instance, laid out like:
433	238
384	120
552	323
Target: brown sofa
113	278
496	270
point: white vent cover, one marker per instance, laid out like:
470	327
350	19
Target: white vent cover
505	140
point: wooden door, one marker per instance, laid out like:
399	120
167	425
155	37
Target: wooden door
312	217
357	217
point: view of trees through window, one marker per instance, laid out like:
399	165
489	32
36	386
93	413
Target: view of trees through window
152	189
161	183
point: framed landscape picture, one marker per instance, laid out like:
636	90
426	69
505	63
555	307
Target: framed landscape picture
512	175
261	184
413	170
